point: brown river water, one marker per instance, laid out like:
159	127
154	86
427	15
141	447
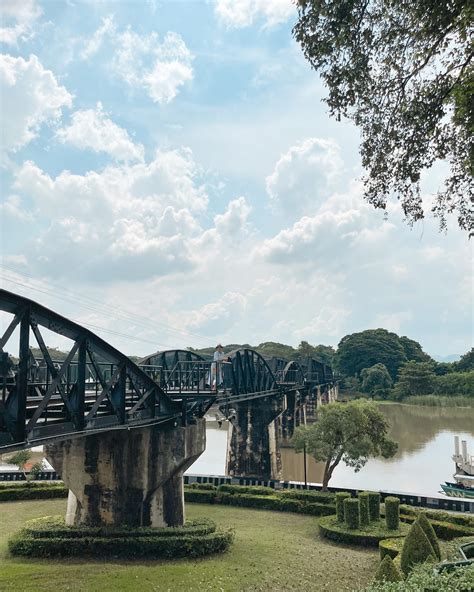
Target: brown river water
425	437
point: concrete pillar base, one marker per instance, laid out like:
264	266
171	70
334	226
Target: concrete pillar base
128	477
254	443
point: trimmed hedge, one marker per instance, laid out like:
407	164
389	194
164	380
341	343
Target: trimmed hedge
390	547
277	502
388	571
392	512
55	527
374	506
331	529
416	549
32	492
439	515
364	508
446	530
252	489
430	534
310	496
351	513
50	537
340	497
205	486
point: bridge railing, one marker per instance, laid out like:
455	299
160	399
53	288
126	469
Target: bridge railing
195	377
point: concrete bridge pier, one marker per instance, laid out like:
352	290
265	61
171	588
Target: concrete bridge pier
254	444
131	477
293	416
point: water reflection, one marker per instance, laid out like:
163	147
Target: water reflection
425	436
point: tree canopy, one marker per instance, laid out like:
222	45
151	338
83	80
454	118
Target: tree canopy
415	378
376	346
376	380
403	72
351	432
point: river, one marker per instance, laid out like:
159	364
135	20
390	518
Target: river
425	437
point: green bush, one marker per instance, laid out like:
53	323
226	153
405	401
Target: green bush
416	548
340	497
374	506
390	547
351	513
201	496
331	529
50	537
392	512
204	486
310	496
277	502
251	489
388	571
55	527
439	515
430	534
425	578
124	547
27	492
364	508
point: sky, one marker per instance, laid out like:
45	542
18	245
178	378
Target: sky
171	177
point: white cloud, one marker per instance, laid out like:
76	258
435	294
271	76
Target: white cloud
305	176
242	13
93	44
142	61
133	221
19	16
12	206
219	315
92	129
31	96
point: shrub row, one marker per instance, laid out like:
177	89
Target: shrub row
54	527
279	503
310	496
125	547
251	489
445	530
439	515
205	486
8	494
330	528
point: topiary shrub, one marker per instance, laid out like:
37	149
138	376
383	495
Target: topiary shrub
204	486
416	548
50	537
351	513
388	571
430	534
364	508
340	497
392	513
374	506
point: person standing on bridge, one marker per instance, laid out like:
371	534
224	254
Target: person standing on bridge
216	372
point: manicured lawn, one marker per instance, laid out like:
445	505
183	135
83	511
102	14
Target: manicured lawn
272	551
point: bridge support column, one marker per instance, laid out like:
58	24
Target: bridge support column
293	416
128	477
254	444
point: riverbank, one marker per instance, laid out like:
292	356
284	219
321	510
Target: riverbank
272	551
439	401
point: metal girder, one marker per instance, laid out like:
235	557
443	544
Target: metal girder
47	400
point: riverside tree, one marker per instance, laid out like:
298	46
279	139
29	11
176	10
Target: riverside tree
376	380
403	73
348	432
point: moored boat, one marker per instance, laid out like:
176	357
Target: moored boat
464	475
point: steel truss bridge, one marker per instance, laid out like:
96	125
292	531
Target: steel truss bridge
96	388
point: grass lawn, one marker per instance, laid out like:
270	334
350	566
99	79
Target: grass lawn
272	551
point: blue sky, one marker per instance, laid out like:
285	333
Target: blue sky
170	177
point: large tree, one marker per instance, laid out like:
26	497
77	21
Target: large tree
364	349
349	432
403	72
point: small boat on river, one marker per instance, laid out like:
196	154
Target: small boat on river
464	475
